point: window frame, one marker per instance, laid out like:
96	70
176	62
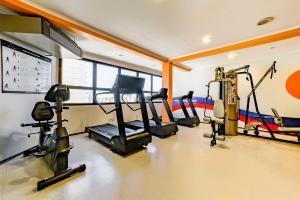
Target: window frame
94	87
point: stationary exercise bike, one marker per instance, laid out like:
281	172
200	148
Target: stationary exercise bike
53	145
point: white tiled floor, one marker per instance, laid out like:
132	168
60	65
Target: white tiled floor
180	167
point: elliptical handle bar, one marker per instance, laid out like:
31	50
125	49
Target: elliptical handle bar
100	105
127	104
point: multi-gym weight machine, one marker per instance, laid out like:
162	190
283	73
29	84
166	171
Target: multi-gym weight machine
226	107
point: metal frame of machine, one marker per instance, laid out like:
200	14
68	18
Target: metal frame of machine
157	128
231	77
255	126
54	145
189	121
120	139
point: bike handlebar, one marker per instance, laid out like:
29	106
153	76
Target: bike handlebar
49	123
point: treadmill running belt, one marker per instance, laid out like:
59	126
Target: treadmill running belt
109	130
139	123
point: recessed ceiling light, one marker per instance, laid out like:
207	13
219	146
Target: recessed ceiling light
231	56
206	39
265	21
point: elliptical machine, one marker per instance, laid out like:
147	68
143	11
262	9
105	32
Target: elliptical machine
53	146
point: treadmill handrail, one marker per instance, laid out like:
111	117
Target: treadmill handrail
100	105
127	104
187	96
162	94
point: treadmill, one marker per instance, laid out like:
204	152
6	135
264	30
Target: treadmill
120	139
157	128
189	121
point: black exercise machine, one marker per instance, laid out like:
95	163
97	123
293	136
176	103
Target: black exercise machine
157	128
189	121
120	139
53	146
287	131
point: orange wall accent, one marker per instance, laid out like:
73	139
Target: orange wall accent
293	84
167	76
250	43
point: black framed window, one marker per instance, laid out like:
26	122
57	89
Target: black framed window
106	76
148	82
86	78
81	96
78	75
129	72
104	97
156	83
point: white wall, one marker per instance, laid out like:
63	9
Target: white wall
16	109
271	93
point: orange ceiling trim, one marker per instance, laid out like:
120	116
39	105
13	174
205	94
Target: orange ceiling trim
62	23
250	43
22	7
181	67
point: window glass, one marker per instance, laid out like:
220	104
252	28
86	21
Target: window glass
77	73
104	97
106	76
80	96
147	77
128	72
157	83
147	94
129	98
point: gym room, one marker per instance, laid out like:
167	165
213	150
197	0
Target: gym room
149	99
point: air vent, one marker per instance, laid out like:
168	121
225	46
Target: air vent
41	34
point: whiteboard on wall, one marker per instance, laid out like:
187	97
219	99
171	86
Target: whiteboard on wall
24	71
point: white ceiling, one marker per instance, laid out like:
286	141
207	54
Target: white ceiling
271	50
174	28
106	49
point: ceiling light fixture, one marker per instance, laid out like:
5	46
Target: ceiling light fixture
206	39
265	21
231	56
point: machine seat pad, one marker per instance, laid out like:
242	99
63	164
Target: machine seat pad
289	129
207	119
250	125
216	120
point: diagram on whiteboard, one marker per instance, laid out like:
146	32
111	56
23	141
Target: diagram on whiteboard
23	70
